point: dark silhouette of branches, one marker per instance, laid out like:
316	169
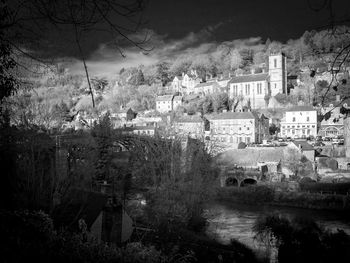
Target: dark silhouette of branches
29	21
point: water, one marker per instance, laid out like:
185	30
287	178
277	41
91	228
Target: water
227	220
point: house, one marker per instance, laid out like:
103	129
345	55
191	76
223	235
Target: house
235	127
206	88
185	84
256	88
177	101
305	148
190	125
253	158
94	214
124	114
144	130
299	122
164	103
334	125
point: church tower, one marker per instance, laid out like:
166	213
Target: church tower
278	73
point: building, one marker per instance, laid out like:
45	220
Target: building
206	88
334	125
167	103
185	84
124	114
93	213
144	130
235	127
299	122
190	125
164	103
255	89
306	149
177	101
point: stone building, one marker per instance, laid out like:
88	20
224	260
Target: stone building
299	122
235	127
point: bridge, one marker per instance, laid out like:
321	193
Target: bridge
239	177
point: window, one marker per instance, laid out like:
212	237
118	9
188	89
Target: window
293	119
247	89
247	128
248	139
275	63
259	88
231	139
239	128
293	131
275	86
307	118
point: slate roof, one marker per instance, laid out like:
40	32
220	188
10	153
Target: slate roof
178	98
304	145
249	78
232	115
251	156
79	204
164	98
301	108
204	84
189	118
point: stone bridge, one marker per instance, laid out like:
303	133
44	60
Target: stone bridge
239	177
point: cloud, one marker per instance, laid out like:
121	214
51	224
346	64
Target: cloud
107	60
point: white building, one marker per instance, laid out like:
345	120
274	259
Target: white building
186	83
299	122
167	103
256	88
164	103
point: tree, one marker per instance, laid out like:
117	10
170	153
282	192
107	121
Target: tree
78	18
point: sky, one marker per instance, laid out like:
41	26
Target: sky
177	27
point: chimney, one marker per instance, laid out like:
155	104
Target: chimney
337	98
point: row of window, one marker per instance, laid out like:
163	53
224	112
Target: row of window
298	126
232	139
259	89
304	131
307	119
223	129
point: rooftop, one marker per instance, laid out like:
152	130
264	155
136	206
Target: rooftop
249	78
301	108
304	145
232	115
164	98
178	98
189	118
251	156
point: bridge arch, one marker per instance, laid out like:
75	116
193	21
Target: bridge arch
248	181
231	181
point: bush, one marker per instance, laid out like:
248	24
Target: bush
338	188
242	145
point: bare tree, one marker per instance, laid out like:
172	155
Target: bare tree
29	20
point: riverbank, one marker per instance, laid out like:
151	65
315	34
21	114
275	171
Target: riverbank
261	194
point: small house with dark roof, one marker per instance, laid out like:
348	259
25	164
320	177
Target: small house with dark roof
235	127
124	114
299	122
190	125
305	148
92	213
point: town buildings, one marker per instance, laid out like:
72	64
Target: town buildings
167	103
299	122
334	125
185	84
190	125
256	89
235	127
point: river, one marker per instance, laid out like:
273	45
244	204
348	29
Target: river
227	220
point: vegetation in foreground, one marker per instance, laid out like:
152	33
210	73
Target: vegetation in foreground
301	240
